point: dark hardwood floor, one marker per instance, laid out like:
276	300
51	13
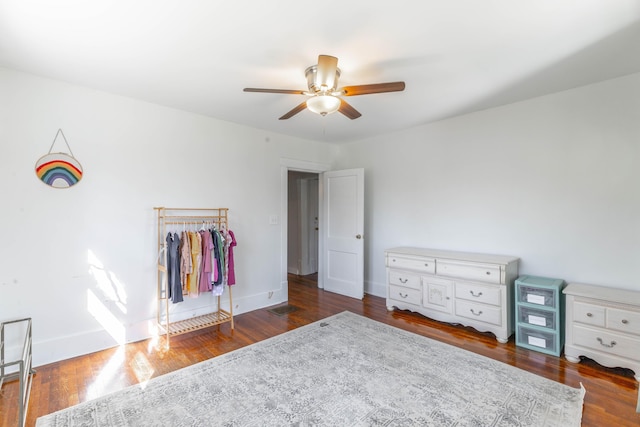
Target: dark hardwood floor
610	399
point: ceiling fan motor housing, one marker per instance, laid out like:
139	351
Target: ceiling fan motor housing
314	84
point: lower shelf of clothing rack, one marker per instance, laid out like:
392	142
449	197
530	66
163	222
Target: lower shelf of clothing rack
198	322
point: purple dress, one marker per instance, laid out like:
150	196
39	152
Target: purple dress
231	279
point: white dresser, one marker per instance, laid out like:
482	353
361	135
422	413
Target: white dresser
456	287
603	324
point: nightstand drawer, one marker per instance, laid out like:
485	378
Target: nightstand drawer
422	265
479	293
536	339
624	321
402	278
480	312
606	342
483	273
537	317
589	314
406	295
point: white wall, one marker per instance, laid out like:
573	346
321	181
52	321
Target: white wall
554	180
82	261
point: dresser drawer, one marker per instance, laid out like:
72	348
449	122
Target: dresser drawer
406	295
624	321
479	312
589	314
483	273
479	293
607	342
402	278
424	265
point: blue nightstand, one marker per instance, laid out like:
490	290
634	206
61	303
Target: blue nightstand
540	314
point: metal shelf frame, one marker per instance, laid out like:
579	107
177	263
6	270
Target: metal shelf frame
20	369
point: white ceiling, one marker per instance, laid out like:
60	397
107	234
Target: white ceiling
456	56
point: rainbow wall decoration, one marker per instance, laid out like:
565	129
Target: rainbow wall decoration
59	170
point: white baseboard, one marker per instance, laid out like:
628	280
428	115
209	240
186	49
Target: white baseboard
376	289
66	347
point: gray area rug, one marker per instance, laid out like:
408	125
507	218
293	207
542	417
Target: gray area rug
345	370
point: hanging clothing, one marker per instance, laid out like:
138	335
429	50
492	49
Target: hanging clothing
174	287
227	241
219	255
214	263
196	258
231	276
185	261
206	265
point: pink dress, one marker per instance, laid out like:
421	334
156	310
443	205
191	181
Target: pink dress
206	267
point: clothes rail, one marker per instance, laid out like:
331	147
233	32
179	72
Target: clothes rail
191	216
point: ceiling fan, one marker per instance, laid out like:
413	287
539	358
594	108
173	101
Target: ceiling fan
324	95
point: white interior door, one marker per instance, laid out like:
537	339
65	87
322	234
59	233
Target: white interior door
343	209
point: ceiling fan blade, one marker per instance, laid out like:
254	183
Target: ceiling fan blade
372	88
295	111
326	73
289	91
348	110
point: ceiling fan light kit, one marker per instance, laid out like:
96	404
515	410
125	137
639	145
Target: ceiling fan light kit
322	83
323	104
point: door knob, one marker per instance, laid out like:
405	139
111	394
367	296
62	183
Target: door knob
358	236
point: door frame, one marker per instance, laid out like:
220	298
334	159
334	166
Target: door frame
287	165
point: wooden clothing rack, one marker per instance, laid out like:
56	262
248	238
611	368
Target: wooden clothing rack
186	216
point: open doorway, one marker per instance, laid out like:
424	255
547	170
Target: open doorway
303	225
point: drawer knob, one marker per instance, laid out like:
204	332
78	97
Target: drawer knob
606	345
474	313
488	273
403	280
403	295
473	294
625	321
426	265
589	315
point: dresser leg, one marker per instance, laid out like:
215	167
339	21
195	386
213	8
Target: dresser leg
390	308
502	340
572	359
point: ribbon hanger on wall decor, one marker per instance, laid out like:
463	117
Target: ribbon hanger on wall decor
59	170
